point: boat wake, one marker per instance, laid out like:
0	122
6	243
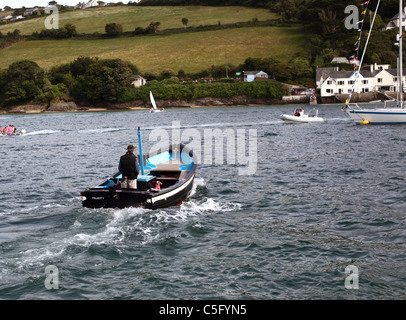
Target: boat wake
101	130
216	125
41	132
114	229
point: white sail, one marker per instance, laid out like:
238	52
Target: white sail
151	97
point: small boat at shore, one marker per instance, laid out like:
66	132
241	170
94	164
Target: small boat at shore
300	117
166	180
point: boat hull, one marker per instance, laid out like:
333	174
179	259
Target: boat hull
123	198
300	119
378	116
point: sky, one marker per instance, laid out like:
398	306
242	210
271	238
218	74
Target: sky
43	3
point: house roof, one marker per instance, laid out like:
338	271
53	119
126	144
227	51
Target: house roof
324	72
6	17
340	60
394	72
137	77
254	72
334	73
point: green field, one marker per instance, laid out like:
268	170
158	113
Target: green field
188	51
95	19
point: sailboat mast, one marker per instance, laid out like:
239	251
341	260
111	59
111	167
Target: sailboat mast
401	52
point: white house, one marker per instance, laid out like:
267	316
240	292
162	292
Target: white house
89	4
250	76
6	18
17	18
373	78
29	12
394	22
138	81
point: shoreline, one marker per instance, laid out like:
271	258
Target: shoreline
208	102
90	109
70	106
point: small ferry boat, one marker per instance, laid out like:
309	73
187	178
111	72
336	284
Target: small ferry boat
166	180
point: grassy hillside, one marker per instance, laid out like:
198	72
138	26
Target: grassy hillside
189	51
95	19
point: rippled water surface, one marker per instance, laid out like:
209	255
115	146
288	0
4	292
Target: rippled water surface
322	197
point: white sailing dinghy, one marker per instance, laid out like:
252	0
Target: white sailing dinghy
154	108
384	115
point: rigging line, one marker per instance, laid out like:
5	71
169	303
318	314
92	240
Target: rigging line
365	47
360	32
357	44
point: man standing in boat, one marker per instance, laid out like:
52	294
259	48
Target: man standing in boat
129	168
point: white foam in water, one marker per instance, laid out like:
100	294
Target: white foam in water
77	224
209	205
41	132
198	182
100	130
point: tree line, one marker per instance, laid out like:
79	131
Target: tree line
94	80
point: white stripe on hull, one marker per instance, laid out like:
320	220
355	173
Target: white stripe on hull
171	193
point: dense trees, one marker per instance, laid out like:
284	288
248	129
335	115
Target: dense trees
67	31
86	79
93	80
176	91
113	29
22	82
96	80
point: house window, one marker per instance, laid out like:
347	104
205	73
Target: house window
350	81
395	79
329	82
365	81
340	83
329	90
379	80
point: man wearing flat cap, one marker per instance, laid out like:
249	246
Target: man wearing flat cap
129	168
